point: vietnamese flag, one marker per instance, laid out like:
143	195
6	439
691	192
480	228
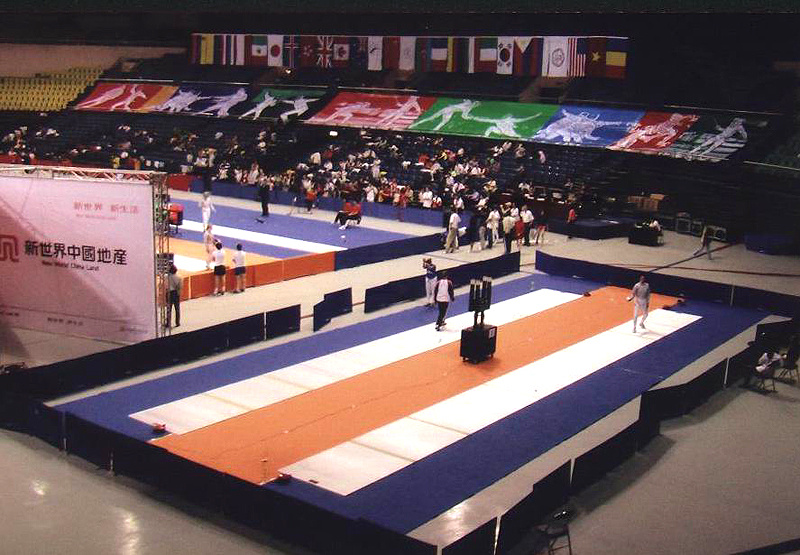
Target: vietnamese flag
596	57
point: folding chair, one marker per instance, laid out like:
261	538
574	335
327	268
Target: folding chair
762	379
788	370
556	530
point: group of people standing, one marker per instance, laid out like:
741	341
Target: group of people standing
487	226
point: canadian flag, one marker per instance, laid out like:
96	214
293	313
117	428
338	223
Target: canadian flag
341	51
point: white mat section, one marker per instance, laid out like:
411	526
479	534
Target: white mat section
204	409
263	238
440	425
189	264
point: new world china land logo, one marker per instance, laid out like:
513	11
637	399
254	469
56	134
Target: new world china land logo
9	248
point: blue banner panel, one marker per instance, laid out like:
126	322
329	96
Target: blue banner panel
588	126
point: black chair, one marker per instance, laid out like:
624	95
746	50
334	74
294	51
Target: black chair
762	379
788	370
556	530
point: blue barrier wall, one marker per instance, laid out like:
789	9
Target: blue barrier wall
369	254
743	297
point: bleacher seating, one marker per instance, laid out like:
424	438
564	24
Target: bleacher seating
45	92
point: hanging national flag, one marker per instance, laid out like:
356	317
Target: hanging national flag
486	54
234	50
374	53
275	50
555	57
616	57
206	49
324	51
458	54
439	50
422	54
527	55
308	51
471	54
407	53
259	50
291	45
195	47
341	51
391	52
505	55
596	57
219	49
358	53
577	56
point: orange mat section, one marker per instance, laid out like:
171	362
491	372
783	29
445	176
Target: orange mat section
261	270
296	428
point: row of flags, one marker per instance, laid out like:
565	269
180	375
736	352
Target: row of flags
553	56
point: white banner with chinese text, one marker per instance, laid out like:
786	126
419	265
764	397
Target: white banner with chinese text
77	257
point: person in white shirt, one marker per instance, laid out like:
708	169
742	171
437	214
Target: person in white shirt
209	241
219	269
640	294
769	361
443	293
527	219
239	268
206	207
451	243
493	225
508	230
426	197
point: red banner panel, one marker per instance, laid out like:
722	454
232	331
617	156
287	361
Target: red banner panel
655	132
126	97
374	111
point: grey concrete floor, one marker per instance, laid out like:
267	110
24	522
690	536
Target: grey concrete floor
720	480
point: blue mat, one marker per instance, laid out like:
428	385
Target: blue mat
292	226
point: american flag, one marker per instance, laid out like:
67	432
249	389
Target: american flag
577	56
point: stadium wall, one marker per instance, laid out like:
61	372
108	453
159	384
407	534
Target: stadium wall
26	60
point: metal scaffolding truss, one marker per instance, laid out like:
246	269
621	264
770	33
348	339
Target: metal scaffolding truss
76	174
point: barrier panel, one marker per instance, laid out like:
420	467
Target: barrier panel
307	265
266	272
478	542
282	321
247	330
369	254
377	539
594	464
548	494
88	441
412	288
776	303
179	181
322	314
341	302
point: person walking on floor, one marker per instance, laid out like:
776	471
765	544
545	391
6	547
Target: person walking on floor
263	195
640	294
509	222
206	208
443	293
527	220
219	269
451	243
705	242
174	286
430	280
239	268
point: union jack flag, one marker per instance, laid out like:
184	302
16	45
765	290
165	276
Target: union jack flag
324	51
